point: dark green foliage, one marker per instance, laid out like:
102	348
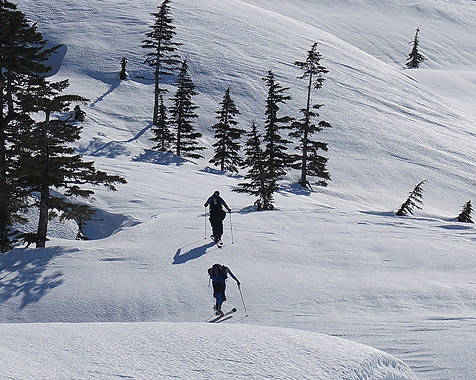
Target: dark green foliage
22	47
275	152
163	137
123	73
22	55
260	184
47	159
162	57
183	114
268	165
7	234
413	201
415	58
465	215
309	161
228	136
79	212
78	113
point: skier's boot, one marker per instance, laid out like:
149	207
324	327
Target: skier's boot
217	310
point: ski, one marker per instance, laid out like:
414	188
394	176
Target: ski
218	243
224	319
226	315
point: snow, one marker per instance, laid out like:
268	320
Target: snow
335	285
190	351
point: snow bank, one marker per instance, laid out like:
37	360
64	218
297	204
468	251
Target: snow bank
187	351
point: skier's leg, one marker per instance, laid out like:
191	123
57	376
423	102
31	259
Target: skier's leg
219	301
215	222
220	224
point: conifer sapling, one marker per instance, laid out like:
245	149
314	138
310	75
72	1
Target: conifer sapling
413	201
465	215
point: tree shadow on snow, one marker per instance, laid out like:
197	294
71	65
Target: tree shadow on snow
104	224
98	147
55	60
294	188
23	273
111	79
379	213
160	158
192	254
209	170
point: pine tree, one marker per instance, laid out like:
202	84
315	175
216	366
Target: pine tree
78	114
227	146
123	73
182	115
162	56
275	153
22	55
413	200
49	162
260	183
465	215
163	137
309	160
415	58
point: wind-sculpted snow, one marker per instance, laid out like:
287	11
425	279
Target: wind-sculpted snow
188	351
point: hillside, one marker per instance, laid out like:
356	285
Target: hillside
335	261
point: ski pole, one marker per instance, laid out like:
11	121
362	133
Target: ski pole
205	220
231	229
242	300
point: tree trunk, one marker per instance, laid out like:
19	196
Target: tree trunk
43	219
6	105
223	147
155	118
45	187
303	180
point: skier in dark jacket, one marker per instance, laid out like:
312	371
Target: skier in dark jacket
217	214
218	274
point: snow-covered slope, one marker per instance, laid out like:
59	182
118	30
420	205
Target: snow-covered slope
188	351
335	261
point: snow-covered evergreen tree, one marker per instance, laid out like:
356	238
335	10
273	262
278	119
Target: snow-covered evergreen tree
465	215
413	200
415	58
259	184
227	135
162	57
275	151
309	161
123	73
48	161
23	54
183	114
163	136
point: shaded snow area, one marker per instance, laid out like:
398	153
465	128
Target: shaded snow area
187	351
335	285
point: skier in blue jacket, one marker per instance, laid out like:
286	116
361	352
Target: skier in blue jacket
218	274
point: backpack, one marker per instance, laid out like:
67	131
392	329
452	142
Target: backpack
217	272
215	204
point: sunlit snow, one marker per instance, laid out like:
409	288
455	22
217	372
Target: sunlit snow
335	285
